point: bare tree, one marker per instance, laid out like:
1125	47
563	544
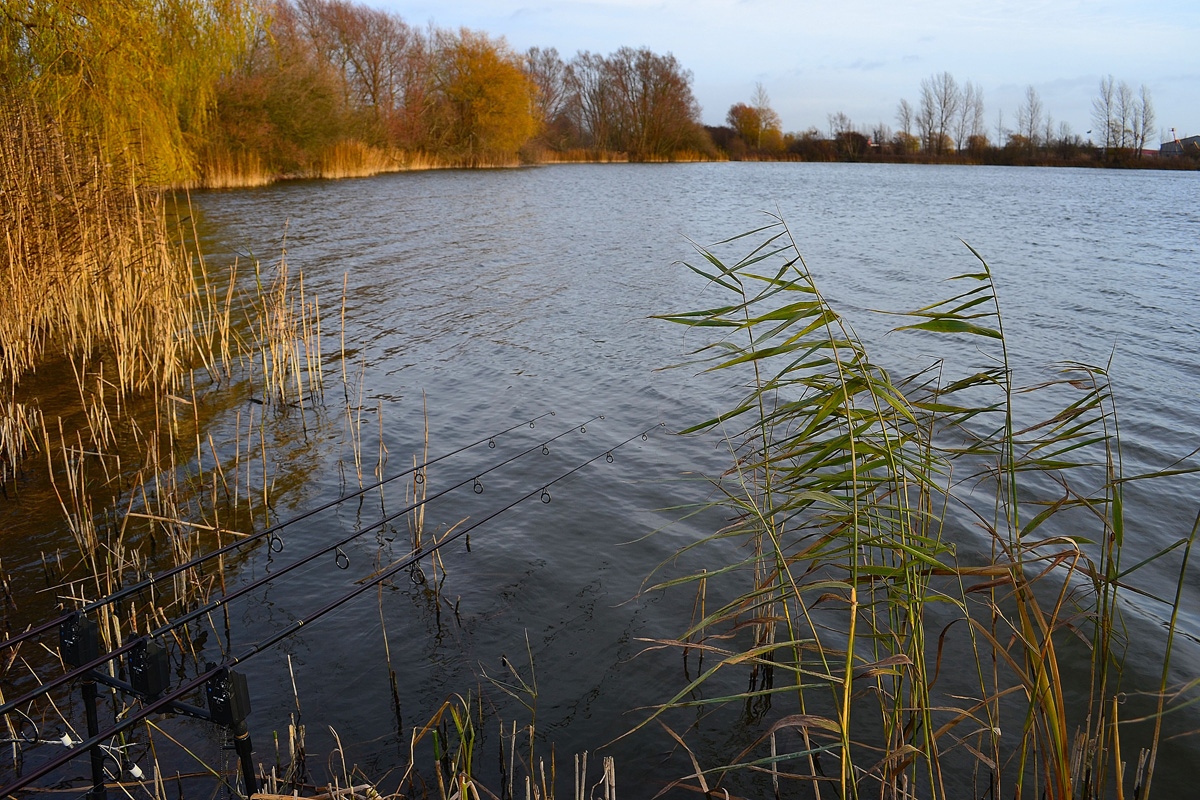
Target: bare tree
926	119
969	120
1029	117
376	45
767	118
1103	110
319	22
978	125
1147	114
757	123
839	123
881	134
939	105
1068	140
633	100
904	117
590	101
1125	116
548	72
382	62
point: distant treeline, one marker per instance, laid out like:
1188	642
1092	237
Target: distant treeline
948	126
323	72
230	92
853	146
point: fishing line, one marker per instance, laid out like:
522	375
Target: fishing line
152	579
167	699
196	613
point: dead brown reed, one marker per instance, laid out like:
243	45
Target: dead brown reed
678	157
598	156
87	265
222	169
578	156
350	158
20	427
95	283
354	159
286	344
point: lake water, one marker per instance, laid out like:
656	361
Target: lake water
478	299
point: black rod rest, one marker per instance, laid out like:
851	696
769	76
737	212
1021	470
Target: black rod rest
149	670
79	644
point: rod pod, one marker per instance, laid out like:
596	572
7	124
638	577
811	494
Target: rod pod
229	705
79	642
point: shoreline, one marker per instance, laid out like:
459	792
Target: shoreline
261	179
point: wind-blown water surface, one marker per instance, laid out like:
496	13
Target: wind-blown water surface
489	297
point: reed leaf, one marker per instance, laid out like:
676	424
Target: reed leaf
841	480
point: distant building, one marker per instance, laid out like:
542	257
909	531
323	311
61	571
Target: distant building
1179	147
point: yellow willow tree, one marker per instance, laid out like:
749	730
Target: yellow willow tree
486	98
140	75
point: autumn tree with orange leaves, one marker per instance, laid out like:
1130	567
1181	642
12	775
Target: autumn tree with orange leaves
756	123
487	100
333	75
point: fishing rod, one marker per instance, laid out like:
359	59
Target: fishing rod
153	579
424	552
166	700
82	670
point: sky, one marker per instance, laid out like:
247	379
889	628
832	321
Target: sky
860	58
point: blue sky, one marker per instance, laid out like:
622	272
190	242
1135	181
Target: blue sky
861	58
